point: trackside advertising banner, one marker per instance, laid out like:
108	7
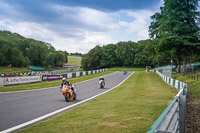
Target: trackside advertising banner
21	80
54	77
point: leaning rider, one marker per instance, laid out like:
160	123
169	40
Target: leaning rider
65	82
102	78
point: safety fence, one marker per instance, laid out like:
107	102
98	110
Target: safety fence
172	120
4	81
195	75
39	73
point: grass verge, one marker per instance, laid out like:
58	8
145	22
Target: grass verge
126	68
46	84
193	103
193	85
74	60
132	107
6	70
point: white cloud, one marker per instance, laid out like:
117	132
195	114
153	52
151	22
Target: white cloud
78	29
27	29
61	42
90	40
86	17
139	24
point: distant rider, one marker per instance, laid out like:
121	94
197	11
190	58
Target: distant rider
103	80
125	72
65	82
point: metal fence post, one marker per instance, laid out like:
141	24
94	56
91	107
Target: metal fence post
182	109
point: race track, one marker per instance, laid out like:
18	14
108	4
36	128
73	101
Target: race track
19	107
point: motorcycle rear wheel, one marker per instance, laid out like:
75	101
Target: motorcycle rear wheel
101	85
74	96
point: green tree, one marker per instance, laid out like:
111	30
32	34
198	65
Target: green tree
109	58
176	28
20	51
66	56
144	53
59	58
49	60
85	62
125	52
91	60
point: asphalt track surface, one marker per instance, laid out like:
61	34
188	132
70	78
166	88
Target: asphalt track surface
20	107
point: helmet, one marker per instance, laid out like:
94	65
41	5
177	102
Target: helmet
63	79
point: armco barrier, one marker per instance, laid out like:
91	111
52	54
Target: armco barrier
81	73
172	120
73	75
77	74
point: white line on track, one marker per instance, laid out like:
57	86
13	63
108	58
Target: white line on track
60	110
54	86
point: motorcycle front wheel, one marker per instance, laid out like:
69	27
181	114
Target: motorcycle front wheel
67	97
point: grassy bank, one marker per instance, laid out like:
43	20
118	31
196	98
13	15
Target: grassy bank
193	85
193	103
6	70
132	107
74	60
126	68
46	84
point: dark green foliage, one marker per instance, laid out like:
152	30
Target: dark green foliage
109	58
66	54
92	59
19	51
144	53
127	54
176	29
75	54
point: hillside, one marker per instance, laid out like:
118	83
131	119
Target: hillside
74	60
18	51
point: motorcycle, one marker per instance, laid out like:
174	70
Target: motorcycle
125	72
68	93
101	83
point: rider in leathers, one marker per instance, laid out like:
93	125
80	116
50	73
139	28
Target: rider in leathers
65	82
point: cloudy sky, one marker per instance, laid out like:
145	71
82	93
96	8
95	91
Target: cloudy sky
79	25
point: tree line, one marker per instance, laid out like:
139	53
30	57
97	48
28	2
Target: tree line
174	38
127	54
76	54
18	51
